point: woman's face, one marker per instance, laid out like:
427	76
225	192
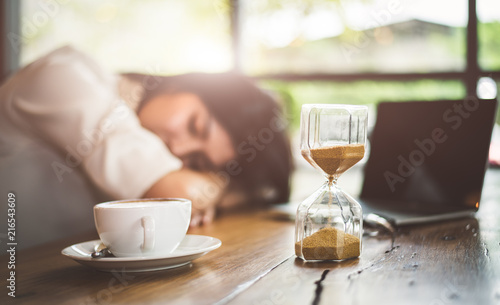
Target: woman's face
190	132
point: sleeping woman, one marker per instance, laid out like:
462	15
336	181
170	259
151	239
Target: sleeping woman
73	135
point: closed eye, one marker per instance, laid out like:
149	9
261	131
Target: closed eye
198	127
192	126
206	128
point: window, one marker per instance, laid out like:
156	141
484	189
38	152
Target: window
393	36
335	51
488	13
370	51
152	36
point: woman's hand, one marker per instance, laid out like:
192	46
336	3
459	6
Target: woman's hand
201	188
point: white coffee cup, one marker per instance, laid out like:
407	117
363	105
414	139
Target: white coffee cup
142	227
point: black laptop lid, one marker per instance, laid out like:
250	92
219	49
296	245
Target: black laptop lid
429	157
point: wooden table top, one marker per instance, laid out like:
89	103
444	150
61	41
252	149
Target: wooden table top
451	262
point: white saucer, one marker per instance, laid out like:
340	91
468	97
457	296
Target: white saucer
191	247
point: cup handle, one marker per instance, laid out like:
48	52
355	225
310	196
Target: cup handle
148	224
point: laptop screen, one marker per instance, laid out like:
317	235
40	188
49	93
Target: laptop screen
429	156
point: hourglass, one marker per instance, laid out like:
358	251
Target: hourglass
329	222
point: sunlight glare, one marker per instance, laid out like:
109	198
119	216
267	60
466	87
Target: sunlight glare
206	55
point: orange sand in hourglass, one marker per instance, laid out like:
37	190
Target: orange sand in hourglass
335	160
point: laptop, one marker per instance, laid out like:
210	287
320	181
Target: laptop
427	160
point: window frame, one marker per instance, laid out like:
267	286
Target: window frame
10	11
468	77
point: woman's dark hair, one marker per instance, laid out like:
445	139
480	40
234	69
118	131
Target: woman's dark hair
254	121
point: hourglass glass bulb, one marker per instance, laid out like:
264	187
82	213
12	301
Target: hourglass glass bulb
329	222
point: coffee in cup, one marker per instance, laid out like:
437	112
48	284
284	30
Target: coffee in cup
142	227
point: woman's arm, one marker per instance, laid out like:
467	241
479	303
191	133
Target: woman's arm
201	188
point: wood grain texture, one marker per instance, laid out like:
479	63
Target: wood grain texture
434	264
452	262
252	244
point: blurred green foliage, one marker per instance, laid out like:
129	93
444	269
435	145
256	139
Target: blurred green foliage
489	45
294	94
